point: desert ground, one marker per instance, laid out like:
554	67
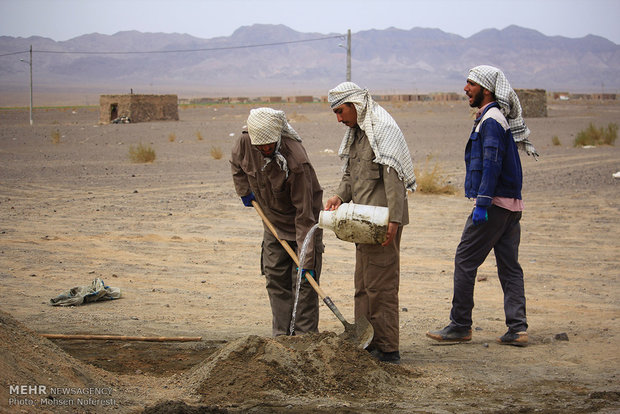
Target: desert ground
178	242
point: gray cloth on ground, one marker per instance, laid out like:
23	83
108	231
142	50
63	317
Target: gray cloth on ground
78	295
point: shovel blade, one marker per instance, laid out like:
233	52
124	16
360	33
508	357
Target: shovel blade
360	333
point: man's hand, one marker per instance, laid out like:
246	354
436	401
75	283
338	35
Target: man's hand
479	215
308	271
247	199
391	233
333	203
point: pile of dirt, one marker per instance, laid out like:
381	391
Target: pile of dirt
26	359
308	367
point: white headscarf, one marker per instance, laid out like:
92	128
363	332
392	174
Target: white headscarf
266	126
385	137
495	81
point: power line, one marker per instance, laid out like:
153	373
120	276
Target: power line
15	53
179	50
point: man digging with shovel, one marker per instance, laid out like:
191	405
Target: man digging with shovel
271	167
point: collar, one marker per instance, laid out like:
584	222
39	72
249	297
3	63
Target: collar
484	109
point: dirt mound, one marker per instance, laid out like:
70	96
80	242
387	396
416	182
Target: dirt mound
179	407
308	367
26	359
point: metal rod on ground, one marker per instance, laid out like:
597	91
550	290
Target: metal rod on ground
125	338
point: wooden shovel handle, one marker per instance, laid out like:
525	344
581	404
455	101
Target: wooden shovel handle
288	248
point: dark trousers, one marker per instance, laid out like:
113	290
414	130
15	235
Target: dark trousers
377	278
281	277
502	233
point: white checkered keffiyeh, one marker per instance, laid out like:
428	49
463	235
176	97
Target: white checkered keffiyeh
494	80
385	137
266	126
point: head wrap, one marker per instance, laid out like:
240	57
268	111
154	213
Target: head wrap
385	137
266	126
495	81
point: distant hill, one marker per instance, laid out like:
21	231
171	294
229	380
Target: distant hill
386	61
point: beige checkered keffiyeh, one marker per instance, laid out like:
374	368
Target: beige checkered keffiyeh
385	137
495	81
266	126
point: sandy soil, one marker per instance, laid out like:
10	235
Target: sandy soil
175	238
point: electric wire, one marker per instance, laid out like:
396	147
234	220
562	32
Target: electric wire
177	50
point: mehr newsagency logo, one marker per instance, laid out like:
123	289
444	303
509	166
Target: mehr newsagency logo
45	395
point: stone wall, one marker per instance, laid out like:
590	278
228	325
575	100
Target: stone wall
533	102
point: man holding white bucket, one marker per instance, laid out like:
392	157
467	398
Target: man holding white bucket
271	167
378	171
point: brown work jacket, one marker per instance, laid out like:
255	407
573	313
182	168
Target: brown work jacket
291	204
366	182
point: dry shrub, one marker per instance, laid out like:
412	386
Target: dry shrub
56	136
555	140
141	154
172	137
431	181
597	136
198	136
216	153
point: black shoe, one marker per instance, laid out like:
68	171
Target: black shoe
391	357
371	348
450	334
513	338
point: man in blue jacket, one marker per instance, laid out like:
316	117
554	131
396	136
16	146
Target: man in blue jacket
493	178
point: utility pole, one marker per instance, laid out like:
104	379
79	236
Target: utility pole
348	48
30	64
348	55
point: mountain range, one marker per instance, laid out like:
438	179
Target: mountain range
277	60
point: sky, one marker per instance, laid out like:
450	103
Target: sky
65	19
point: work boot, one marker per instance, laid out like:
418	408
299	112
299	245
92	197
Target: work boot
390	357
451	334
513	338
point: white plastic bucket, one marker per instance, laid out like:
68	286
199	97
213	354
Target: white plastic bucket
357	223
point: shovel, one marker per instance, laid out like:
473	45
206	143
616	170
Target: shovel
360	332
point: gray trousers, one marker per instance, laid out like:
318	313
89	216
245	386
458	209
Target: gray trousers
502	233
281	277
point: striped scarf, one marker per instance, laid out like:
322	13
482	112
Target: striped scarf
385	137
266	126
495	81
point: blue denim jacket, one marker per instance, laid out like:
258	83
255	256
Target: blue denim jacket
493	166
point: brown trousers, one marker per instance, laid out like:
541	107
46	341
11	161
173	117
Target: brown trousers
281	276
377	278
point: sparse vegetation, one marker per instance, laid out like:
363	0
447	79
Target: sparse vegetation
597	136
431	181
56	136
216	153
198	136
172	137
555	141
141	154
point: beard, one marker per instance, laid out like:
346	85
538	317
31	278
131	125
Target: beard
477	99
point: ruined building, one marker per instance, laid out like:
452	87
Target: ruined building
137	108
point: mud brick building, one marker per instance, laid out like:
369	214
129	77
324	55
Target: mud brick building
533	102
138	108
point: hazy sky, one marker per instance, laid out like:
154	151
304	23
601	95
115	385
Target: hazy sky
65	19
